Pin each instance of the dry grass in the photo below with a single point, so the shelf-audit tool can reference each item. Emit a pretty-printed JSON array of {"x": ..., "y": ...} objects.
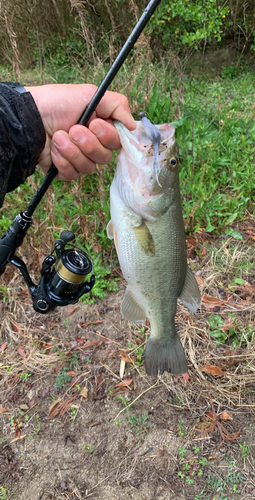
[{"x": 235, "y": 387}]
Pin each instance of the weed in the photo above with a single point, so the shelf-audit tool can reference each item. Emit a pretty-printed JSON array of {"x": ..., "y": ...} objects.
[
  {"x": 175, "y": 400},
  {"x": 141, "y": 424},
  {"x": 196, "y": 449},
  {"x": 182, "y": 452},
  {"x": 4, "y": 494},
  {"x": 200, "y": 495},
  {"x": 90, "y": 448},
  {"x": 73, "y": 412},
  {"x": 62, "y": 378},
  {"x": 189, "y": 480},
  {"x": 73, "y": 360},
  {"x": 203, "y": 461},
  {"x": 4, "y": 292},
  {"x": 37, "y": 429},
  {"x": 181, "y": 428},
  {"x": 24, "y": 376},
  {"x": 245, "y": 449}
]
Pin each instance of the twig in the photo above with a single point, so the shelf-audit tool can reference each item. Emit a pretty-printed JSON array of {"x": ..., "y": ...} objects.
[{"x": 138, "y": 397}]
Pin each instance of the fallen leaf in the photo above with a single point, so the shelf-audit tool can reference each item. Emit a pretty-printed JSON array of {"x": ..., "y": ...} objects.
[
  {"x": 17, "y": 433},
  {"x": 21, "y": 351},
  {"x": 71, "y": 373},
  {"x": 124, "y": 383},
  {"x": 71, "y": 311},
  {"x": 84, "y": 392},
  {"x": 199, "y": 280},
  {"x": 228, "y": 323},
  {"x": 17, "y": 326},
  {"x": 191, "y": 240},
  {"x": 213, "y": 370},
  {"x": 87, "y": 345},
  {"x": 56, "y": 368},
  {"x": 31, "y": 402},
  {"x": 84, "y": 325},
  {"x": 125, "y": 356},
  {"x": 45, "y": 391},
  {"x": 3, "y": 410},
  {"x": 53, "y": 406},
  {"x": 79, "y": 340},
  {"x": 212, "y": 301},
  {"x": 3, "y": 346},
  {"x": 225, "y": 415},
  {"x": 203, "y": 252},
  {"x": 186, "y": 377},
  {"x": 24, "y": 407}
]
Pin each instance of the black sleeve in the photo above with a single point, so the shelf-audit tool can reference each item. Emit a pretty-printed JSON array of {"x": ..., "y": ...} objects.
[{"x": 22, "y": 138}]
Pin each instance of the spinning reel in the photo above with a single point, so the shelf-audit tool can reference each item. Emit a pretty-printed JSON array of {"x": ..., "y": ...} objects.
[{"x": 64, "y": 272}]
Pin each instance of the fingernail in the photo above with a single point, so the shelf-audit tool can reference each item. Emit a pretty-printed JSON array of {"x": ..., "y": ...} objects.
[
  {"x": 78, "y": 136},
  {"x": 97, "y": 129},
  {"x": 60, "y": 141},
  {"x": 55, "y": 151}
]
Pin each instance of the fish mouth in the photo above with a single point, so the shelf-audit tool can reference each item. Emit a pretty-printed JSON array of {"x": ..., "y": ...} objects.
[{"x": 139, "y": 146}]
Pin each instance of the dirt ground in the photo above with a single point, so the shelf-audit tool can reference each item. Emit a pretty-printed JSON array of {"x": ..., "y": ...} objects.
[{"x": 68, "y": 428}]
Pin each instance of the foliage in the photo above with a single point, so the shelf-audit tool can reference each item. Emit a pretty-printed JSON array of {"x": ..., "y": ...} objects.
[
  {"x": 4, "y": 494},
  {"x": 103, "y": 284},
  {"x": 189, "y": 21},
  {"x": 62, "y": 378},
  {"x": 141, "y": 424}
]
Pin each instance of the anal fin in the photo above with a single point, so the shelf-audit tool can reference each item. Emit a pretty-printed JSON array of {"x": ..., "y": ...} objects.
[
  {"x": 130, "y": 309},
  {"x": 190, "y": 295}
]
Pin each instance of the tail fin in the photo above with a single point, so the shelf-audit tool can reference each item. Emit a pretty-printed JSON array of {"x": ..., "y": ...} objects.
[{"x": 163, "y": 356}]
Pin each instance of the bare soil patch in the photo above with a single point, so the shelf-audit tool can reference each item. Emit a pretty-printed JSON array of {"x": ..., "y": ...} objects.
[{"x": 81, "y": 419}]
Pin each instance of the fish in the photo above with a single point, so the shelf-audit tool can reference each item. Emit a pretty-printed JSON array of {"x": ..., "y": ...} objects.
[{"x": 149, "y": 235}]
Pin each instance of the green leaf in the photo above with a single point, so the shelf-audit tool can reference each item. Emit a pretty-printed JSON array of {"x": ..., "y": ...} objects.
[
  {"x": 235, "y": 234},
  {"x": 239, "y": 281}
]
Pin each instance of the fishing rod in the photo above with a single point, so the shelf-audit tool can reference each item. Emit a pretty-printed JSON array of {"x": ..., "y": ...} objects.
[{"x": 65, "y": 272}]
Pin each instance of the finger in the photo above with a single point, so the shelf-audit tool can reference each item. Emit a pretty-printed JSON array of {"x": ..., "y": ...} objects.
[
  {"x": 89, "y": 144},
  {"x": 83, "y": 151},
  {"x": 66, "y": 171},
  {"x": 114, "y": 105},
  {"x": 106, "y": 133}
]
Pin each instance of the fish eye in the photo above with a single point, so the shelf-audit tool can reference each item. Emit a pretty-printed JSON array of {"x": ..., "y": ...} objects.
[{"x": 173, "y": 162}]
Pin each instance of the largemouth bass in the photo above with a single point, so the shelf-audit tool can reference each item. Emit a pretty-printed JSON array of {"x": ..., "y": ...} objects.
[{"x": 149, "y": 235}]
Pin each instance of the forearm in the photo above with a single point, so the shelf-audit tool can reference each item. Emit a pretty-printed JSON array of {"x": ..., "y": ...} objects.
[{"x": 22, "y": 138}]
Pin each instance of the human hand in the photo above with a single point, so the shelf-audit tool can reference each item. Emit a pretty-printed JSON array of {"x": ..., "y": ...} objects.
[{"x": 72, "y": 148}]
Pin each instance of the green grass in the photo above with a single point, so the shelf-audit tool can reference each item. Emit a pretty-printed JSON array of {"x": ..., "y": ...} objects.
[{"x": 216, "y": 137}]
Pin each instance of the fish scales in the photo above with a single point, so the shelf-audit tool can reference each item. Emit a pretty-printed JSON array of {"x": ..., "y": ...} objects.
[{"x": 149, "y": 236}]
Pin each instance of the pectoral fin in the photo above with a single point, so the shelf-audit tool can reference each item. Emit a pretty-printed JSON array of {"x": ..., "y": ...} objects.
[
  {"x": 145, "y": 239},
  {"x": 130, "y": 309},
  {"x": 112, "y": 233},
  {"x": 110, "y": 230},
  {"x": 190, "y": 295}
]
